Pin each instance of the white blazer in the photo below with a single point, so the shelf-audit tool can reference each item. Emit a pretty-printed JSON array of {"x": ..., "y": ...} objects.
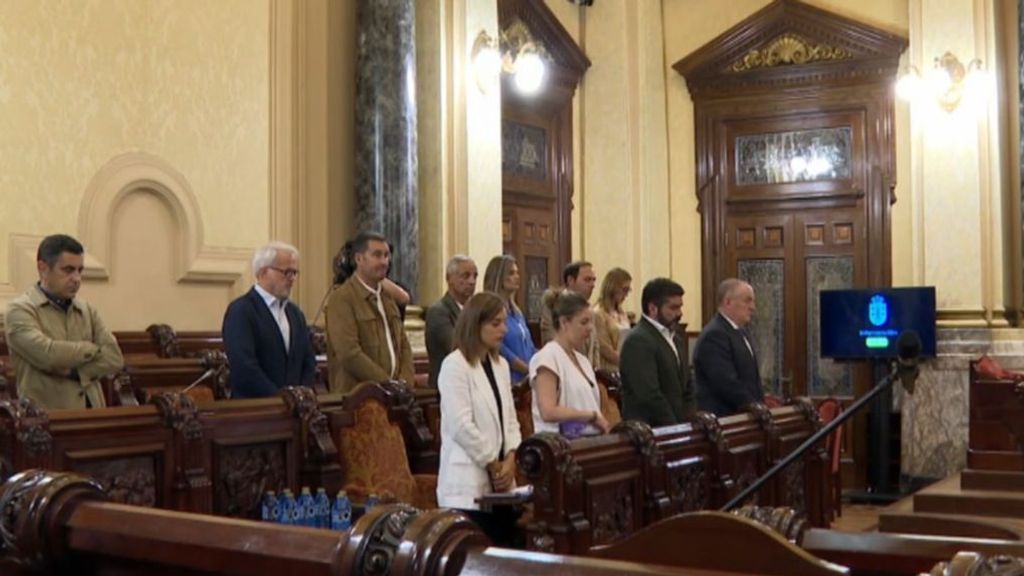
[{"x": 470, "y": 428}]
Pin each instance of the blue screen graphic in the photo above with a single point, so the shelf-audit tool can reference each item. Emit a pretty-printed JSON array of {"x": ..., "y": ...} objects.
[{"x": 866, "y": 323}]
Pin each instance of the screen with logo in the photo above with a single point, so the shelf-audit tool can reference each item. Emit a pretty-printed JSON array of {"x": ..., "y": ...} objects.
[{"x": 866, "y": 323}]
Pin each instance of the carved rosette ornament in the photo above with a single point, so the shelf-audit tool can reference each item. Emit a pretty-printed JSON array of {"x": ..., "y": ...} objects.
[
  {"x": 165, "y": 340},
  {"x": 382, "y": 538},
  {"x": 31, "y": 503},
  {"x": 786, "y": 50},
  {"x": 786, "y": 521},
  {"x": 28, "y": 424}
]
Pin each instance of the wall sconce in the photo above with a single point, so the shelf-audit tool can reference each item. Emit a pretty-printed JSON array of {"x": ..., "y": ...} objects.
[
  {"x": 947, "y": 83},
  {"x": 519, "y": 55}
]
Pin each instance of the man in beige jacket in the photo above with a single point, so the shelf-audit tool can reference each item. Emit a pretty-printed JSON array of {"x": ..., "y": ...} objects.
[
  {"x": 365, "y": 337},
  {"x": 59, "y": 347}
]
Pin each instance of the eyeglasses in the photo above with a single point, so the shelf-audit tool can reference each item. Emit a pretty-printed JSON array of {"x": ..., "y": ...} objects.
[{"x": 289, "y": 272}]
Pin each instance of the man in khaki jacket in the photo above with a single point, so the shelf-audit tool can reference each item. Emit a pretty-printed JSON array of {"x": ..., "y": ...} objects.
[
  {"x": 365, "y": 337},
  {"x": 58, "y": 345}
]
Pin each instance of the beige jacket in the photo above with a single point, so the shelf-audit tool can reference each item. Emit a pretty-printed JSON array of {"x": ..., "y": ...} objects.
[
  {"x": 357, "y": 348},
  {"x": 45, "y": 342}
]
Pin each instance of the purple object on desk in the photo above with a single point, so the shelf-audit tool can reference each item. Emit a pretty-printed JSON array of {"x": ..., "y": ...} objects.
[{"x": 575, "y": 429}]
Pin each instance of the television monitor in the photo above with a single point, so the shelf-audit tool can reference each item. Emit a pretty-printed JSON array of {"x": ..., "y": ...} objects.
[{"x": 866, "y": 323}]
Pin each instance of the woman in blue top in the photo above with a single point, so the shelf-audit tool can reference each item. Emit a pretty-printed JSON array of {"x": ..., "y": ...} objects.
[{"x": 502, "y": 278}]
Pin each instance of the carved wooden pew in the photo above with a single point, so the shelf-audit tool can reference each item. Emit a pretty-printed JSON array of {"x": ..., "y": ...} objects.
[
  {"x": 996, "y": 424},
  {"x": 593, "y": 491},
  {"x": 56, "y": 523},
  {"x": 220, "y": 457},
  {"x": 897, "y": 554},
  {"x": 61, "y": 523}
]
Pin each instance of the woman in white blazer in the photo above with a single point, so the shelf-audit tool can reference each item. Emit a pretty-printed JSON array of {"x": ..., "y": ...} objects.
[{"x": 479, "y": 430}]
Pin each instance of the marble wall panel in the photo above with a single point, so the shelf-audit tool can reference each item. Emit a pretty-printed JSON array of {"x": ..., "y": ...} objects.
[
  {"x": 768, "y": 278},
  {"x": 825, "y": 377}
]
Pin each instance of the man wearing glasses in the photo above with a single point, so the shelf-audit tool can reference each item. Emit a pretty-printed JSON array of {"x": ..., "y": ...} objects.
[{"x": 265, "y": 335}]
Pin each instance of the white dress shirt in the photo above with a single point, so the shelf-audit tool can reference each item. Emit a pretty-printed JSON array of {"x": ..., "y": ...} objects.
[
  {"x": 277, "y": 308},
  {"x": 387, "y": 326}
]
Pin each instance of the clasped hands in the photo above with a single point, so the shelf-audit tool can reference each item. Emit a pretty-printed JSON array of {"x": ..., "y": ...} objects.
[{"x": 503, "y": 473}]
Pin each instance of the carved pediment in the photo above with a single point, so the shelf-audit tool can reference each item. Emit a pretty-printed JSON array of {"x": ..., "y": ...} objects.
[
  {"x": 790, "y": 43},
  {"x": 788, "y": 49}
]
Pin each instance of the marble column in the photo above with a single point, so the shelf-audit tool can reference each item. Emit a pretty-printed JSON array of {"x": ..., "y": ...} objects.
[{"x": 385, "y": 118}]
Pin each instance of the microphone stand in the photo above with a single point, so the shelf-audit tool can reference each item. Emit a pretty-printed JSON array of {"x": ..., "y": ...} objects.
[{"x": 818, "y": 436}]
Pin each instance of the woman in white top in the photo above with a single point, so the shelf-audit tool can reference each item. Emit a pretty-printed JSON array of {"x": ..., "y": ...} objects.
[
  {"x": 564, "y": 386},
  {"x": 479, "y": 429}
]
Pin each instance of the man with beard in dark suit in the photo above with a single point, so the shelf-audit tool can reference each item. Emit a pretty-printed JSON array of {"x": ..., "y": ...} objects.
[
  {"x": 724, "y": 360},
  {"x": 461, "y": 274},
  {"x": 656, "y": 387}
]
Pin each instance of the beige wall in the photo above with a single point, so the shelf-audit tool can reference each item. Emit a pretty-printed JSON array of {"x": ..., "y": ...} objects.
[{"x": 179, "y": 86}]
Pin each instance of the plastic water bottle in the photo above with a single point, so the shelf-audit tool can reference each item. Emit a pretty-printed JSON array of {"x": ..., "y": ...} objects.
[
  {"x": 270, "y": 510},
  {"x": 307, "y": 508},
  {"x": 287, "y": 506},
  {"x": 323, "y": 509},
  {"x": 371, "y": 501},
  {"x": 341, "y": 512}
]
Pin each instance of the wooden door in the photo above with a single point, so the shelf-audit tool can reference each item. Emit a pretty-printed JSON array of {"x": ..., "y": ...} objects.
[
  {"x": 536, "y": 152},
  {"x": 529, "y": 234}
]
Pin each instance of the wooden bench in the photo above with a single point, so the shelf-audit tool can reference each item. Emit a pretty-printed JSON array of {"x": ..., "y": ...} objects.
[
  {"x": 594, "y": 491},
  {"x": 57, "y": 522}
]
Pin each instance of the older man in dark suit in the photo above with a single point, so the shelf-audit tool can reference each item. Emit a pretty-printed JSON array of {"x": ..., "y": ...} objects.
[
  {"x": 656, "y": 386},
  {"x": 724, "y": 360},
  {"x": 265, "y": 335},
  {"x": 461, "y": 274}
]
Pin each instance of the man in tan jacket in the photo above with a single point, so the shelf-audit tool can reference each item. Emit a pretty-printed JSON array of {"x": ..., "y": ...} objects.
[
  {"x": 365, "y": 337},
  {"x": 59, "y": 347}
]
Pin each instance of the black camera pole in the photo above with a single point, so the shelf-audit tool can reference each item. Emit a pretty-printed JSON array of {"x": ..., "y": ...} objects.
[{"x": 820, "y": 435}]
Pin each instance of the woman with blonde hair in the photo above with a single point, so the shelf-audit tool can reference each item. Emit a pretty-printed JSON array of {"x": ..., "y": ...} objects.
[
  {"x": 610, "y": 321},
  {"x": 566, "y": 396},
  {"x": 502, "y": 278},
  {"x": 479, "y": 429}
]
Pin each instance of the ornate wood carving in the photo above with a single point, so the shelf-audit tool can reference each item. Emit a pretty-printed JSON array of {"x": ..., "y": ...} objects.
[
  {"x": 764, "y": 419},
  {"x": 786, "y": 521},
  {"x": 34, "y": 503},
  {"x": 125, "y": 480},
  {"x": 245, "y": 472},
  {"x": 688, "y": 487},
  {"x": 165, "y": 340},
  {"x": 793, "y": 492},
  {"x": 192, "y": 488},
  {"x": 973, "y": 564},
  {"x": 26, "y": 430},
  {"x": 124, "y": 391},
  {"x": 612, "y": 511},
  {"x": 318, "y": 337},
  {"x": 217, "y": 360},
  {"x": 787, "y": 49},
  {"x": 179, "y": 413},
  {"x": 381, "y": 540},
  {"x": 656, "y": 501},
  {"x": 320, "y": 461}
]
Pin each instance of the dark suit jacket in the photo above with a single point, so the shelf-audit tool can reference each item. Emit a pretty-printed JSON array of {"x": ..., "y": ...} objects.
[
  {"x": 727, "y": 374},
  {"x": 656, "y": 386},
  {"x": 260, "y": 366},
  {"x": 441, "y": 318}
]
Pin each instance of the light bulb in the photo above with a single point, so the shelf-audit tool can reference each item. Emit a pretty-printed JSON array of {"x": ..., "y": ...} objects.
[{"x": 530, "y": 72}]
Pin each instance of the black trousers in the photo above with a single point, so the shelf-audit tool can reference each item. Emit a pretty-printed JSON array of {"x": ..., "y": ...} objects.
[{"x": 500, "y": 525}]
